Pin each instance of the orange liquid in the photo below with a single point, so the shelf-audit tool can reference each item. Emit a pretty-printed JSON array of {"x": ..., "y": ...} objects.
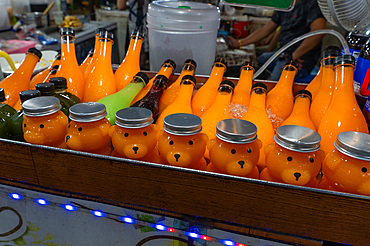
[
  {"x": 300, "y": 115},
  {"x": 321, "y": 101},
  {"x": 101, "y": 81},
  {"x": 314, "y": 85},
  {"x": 205, "y": 96},
  {"x": 91, "y": 65},
  {"x": 41, "y": 76},
  {"x": 130, "y": 66},
  {"x": 257, "y": 115},
  {"x": 69, "y": 68},
  {"x": 182, "y": 103},
  {"x": 165, "y": 70},
  {"x": 343, "y": 113},
  {"x": 86, "y": 63},
  {"x": 19, "y": 80}
]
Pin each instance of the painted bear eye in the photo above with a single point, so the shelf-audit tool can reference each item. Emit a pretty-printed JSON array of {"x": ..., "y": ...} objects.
[
  {"x": 69, "y": 126},
  {"x": 171, "y": 142},
  {"x": 191, "y": 142},
  {"x": 145, "y": 133},
  {"x": 79, "y": 129},
  {"x": 25, "y": 125},
  {"x": 233, "y": 151},
  {"x": 289, "y": 158},
  {"x": 42, "y": 126},
  {"x": 126, "y": 134},
  {"x": 249, "y": 151},
  {"x": 364, "y": 169},
  {"x": 312, "y": 160}
]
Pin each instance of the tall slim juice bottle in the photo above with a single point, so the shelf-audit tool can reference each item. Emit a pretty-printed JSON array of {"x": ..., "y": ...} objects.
[
  {"x": 300, "y": 115},
  {"x": 343, "y": 113},
  {"x": 87, "y": 61},
  {"x": 69, "y": 68},
  {"x": 172, "y": 91},
  {"x": 51, "y": 73},
  {"x": 101, "y": 82},
  {"x": 242, "y": 93},
  {"x": 257, "y": 115},
  {"x": 39, "y": 77},
  {"x": 219, "y": 110},
  {"x": 20, "y": 79},
  {"x": 123, "y": 98},
  {"x": 323, "y": 96},
  {"x": 130, "y": 66},
  {"x": 91, "y": 65},
  {"x": 167, "y": 69},
  {"x": 280, "y": 100},
  {"x": 182, "y": 103},
  {"x": 205, "y": 95}
]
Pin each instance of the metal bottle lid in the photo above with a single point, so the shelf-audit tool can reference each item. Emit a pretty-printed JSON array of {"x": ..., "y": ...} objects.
[
  {"x": 134, "y": 117},
  {"x": 236, "y": 131},
  {"x": 344, "y": 59},
  {"x": 67, "y": 31},
  {"x": 87, "y": 112},
  {"x": 41, "y": 106},
  {"x": 191, "y": 61},
  {"x": 171, "y": 62},
  {"x": 297, "y": 138},
  {"x": 182, "y": 124},
  {"x": 330, "y": 51},
  {"x": 35, "y": 52},
  {"x": 106, "y": 35},
  {"x": 354, "y": 144}
]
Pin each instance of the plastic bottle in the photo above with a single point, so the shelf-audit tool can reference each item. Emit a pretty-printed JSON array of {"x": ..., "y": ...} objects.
[
  {"x": 48, "y": 89},
  {"x": 43, "y": 122},
  {"x": 6, "y": 112},
  {"x": 300, "y": 115},
  {"x": 257, "y": 115},
  {"x": 101, "y": 82},
  {"x": 151, "y": 99},
  {"x": 53, "y": 71},
  {"x": 172, "y": 91},
  {"x": 343, "y": 113},
  {"x": 123, "y": 98},
  {"x": 87, "y": 61},
  {"x": 167, "y": 69},
  {"x": 69, "y": 68},
  {"x": 40, "y": 77},
  {"x": 358, "y": 37},
  {"x": 130, "y": 66},
  {"x": 242, "y": 93},
  {"x": 66, "y": 98},
  {"x": 16, "y": 121},
  {"x": 219, "y": 110},
  {"x": 362, "y": 72},
  {"x": 88, "y": 129},
  {"x": 205, "y": 95},
  {"x": 134, "y": 135},
  {"x": 280, "y": 100},
  {"x": 20, "y": 79},
  {"x": 5, "y": 109},
  {"x": 182, "y": 103},
  {"x": 91, "y": 65},
  {"x": 325, "y": 92}
]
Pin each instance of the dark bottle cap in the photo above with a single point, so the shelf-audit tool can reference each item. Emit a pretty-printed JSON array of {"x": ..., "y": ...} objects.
[
  {"x": 53, "y": 71},
  {"x": 67, "y": 31},
  {"x": 191, "y": 61},
  {"x": 189, "y": 77},
  {"x": 344, "y": 59},
  {"x": 91, "y": 53},
  {"x": 143, "y": 76},
  {"x": 35, "y": 52},
  {"x": 100, "y": 30},
  {"x": 330, "y": 51},
  {"x": 172, "y": 63},
  {"x": 55, "y": 67},
  {"x": 161, "y": 81},
  {"x": 291, "y": 63},
  {"x": 227, "y": 82},
  {"x": 47, "y": 89},
  {"x": 28, "y": 94},
  {"x": 58, "y": 56},
  {"x": 248, "y": 65},
  {"x": 221, "y": 60},
  {"x": 259, "y": 85},
  {"x": 106, "y": 34},
  {"x": 2, "y": 95},
  {"x": 137, "y": 34},
  {"x": 59, "y": 83},
  {"x": 304, "y": 92}
]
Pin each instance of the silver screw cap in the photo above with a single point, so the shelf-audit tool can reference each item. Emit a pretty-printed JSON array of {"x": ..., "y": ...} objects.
[
  {"x": 354, "y": 144},
  {"x": 87, "y": 112},
  {"x": 134, "y": 117},
  {"x": 182, "y": 124},
  {"x": 236, "y": 131},
  {"x": 41, "y": 106}
]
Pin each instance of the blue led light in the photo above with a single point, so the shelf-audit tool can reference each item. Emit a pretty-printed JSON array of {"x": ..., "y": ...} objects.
[
  {"x": 69, "y": 207},
  {"x": 128, "y": 220},
  {"x": 98, "y": 213},
  {"x": 228, "y": 242},
  {"x": 192, "y": 234},
  {"x": 15, "y": 196},
  {"x": 41, "y": 201},
  {"x": 160, "y": 227}
]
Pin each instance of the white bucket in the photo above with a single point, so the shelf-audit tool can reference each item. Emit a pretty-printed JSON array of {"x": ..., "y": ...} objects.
[{"x": 181, "y": 30}]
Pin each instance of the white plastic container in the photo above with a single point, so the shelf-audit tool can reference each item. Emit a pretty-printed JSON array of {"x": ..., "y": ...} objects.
[{"x": 182, "y": 30}]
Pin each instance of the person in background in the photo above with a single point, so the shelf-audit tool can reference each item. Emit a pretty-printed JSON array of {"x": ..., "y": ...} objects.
[{"x": 305, "y": 17}]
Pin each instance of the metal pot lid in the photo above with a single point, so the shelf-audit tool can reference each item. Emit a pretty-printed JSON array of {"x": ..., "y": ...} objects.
[
  {"x": 236, "y": 131},
  {"x": 41, "y": 106},
  {"x": 354, "y": 144},
  {"x": 134, "y": 117},
  {"x": 297, "y": 138},
  {"x": 182, "y": 124},
  {"x": 87, "y": 112}
]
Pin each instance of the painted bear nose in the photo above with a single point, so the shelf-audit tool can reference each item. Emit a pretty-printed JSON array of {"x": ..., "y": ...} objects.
[
  {"x": 135, "y": 149},
  {"x": 177, "y": 156},
  {"x": 297, "y": 175},
  {"x": 241, "y": 163}
]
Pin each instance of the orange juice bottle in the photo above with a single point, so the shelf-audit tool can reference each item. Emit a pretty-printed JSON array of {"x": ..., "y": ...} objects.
[
  {"x": 242, "y": 93},
  {"x": 205, "y": 95},
  {"x": 182, "y": 103},
  {"x": 91, "y": 65},
  {"x": 101, "y": 82},
  {"x": 130, "y": 66},
  {"x": 280, "y": 100},
  {"x": 52, "y": 72},
  {"x": 257, "y": 115},
  {"x": 69, "y": 68},
  {"x": 40, "y": 77},
  {"x": 219, "y": 110},
  {"x": 87, "y": 61},
  {"x": 323, "y": 96},
  {"x": 172, "y": 91},
  {"x": 166, "y": 70},
  {"x": 300, "y": 115},
  {"x": 343, "y": 113},
  {"x": 20, "y": 79}
]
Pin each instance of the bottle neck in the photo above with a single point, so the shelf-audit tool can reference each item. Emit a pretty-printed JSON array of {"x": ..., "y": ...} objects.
[
  {"x": 258, "y": 99},
  {"x": 301, "y": 105},
  {"x": 68, "y": 52},
  {"x": 134, "y": 49},
  {"x": 28, "y": 65},
  {"x": 327, "y": 81},
  {"x": 287, "y": 77},
  {"x": 343, "y": 90},
  {"x": 166, "y": 70},
  {"x": 96, "y": 46},
  {"x": 223, "y": 97},
  {"x": 105, "y": 51},
  {"x": 245, "y": 79},
  {"x": 185, "y": 93},
  {"x": 60, "y": 91},
  {"x": 188, "y": 68}
]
